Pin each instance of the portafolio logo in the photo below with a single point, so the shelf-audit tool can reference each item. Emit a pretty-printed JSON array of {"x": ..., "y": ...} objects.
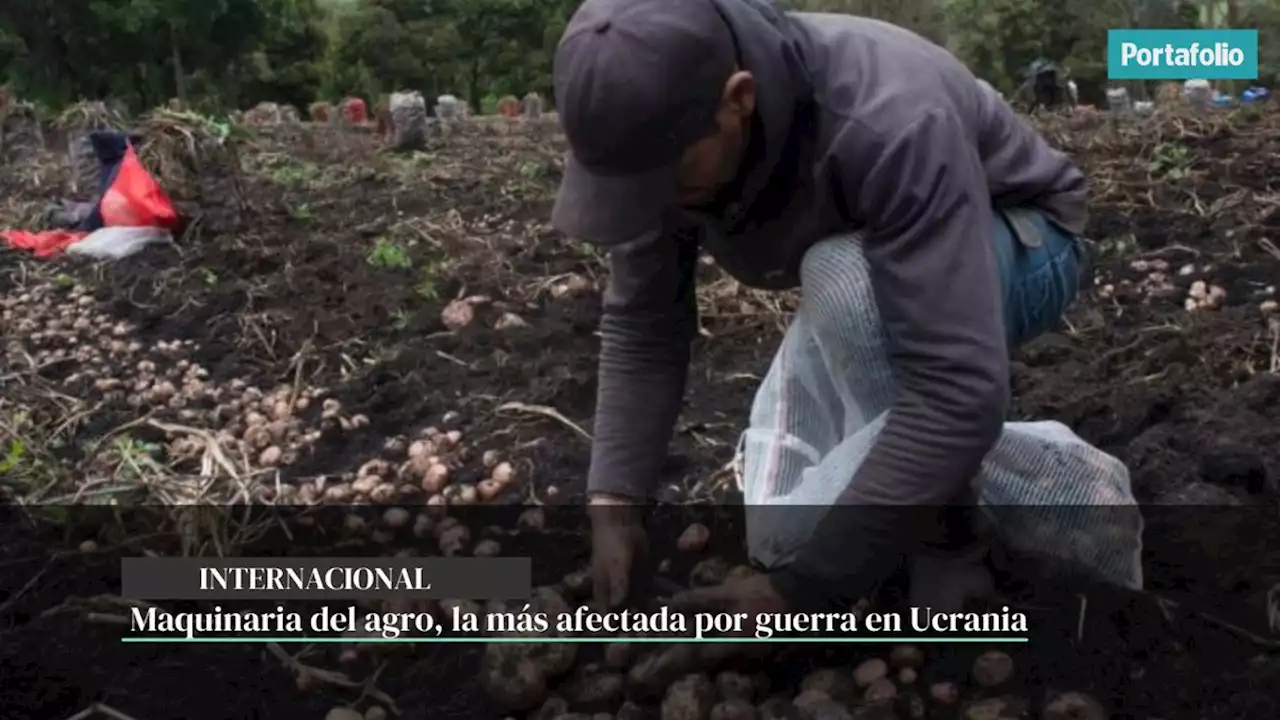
[{"x": 1182, "y": 54}]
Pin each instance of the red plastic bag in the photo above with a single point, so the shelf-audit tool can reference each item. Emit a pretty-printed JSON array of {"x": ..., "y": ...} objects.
[
  {"x": 135, "y": 199},
  {"x": 355, "y": 110},
  {"x": 42, "y": 244}
]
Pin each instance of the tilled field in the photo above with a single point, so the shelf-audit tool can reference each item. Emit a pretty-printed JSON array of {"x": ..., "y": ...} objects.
[{"x": 341, "y": 326}]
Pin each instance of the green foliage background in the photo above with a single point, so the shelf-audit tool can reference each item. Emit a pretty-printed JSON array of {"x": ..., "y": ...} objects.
[{"x": 222, "y": 54}]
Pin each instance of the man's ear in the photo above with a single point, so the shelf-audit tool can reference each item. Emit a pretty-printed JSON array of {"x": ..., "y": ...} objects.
[{"x": 740, "y": 93}]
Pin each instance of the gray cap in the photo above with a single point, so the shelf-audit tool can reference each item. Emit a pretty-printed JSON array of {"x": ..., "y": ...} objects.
[{"x": 637, "y": 82}]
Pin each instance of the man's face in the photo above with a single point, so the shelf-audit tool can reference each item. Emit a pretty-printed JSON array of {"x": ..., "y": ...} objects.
[{"x": 713, "y": 162}]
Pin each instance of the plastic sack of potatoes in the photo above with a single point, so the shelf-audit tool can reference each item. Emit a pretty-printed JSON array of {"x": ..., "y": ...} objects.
[
  {"x": 408, "y": 120},
  {"x": 825, "y": 400}
]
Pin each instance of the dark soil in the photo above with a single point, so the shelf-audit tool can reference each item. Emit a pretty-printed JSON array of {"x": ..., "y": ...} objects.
[{"x": 1188, "y": 400}]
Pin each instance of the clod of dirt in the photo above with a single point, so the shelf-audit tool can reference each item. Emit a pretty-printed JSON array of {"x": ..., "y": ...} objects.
[
  {"x": 694, "y": 539},
  {"x": 881, "y": 691},
  {"x": 946, "y": 693},
  {"x": 711, "y": 571},
  {"x": 1074, "y": 706},
  {"x": 869, "y": 672},
  {"x": 594, "y": 692},
  {"x": 907, "y": 656},
  {"x": 648, "y": 677},
  {"x": 516, "y": 683},
  {"x": 735, "y": 686},
  {"x": 814, "y": 705},
  {"x": 741, "y": 572},
  {"x": 689, "y": 698},
  {"x": 343, "y": 713},
  {"x": 617, "y": 656},
  {"x": 458, "y": 314},
  {"x": 911, "y": 707},
  {"x": 832, "y": 683},
  {"x": 992, "y": 668},
  {"x": 735, "y": 709}
]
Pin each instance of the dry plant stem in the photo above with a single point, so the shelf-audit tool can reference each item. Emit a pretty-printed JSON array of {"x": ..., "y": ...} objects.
[
  {"x": 101, "y": 709},
  {"x": 367, "y": 687},
  {"x": 545, "y": 411}
]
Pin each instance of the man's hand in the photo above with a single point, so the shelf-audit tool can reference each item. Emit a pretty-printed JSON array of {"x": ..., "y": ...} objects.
[
  {"x": 753, "y": 595},
  {"x": 618, "y": 546}
]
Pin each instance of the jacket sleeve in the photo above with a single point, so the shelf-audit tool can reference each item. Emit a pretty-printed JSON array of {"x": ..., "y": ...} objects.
[
  {"x": 648, "y": 324},
  {"x": 930, "y": 246}
]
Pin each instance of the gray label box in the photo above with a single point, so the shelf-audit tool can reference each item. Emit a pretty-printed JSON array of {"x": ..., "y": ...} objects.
[{"x": 325, "y": 578}]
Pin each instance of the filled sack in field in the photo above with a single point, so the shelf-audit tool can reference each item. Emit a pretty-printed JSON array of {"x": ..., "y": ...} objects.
[
  {"x": 409, "y": 126},
  {"x": 825, "y": 401}
]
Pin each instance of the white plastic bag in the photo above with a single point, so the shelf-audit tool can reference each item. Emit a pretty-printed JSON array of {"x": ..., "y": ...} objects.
[
  {"x": 116, "y": 243},
  {"x": 825, "y": 401}
]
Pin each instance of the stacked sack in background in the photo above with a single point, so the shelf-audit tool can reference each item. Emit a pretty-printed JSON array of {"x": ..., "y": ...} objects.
[{"x": 410, "y": 126}]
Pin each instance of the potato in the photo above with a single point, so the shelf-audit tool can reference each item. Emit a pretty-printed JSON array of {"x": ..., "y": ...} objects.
[
  {"x": 555, "y": 659},
  {"x": 594, "y": 692},
  {"x": 617, "y": 656},
  {"x": 881, "y": 691},
  {"x": 650, "y": 676},
  {"x": 551, "y": 709},
  {"x": 343, "y": 713},
  {"x": 946, "y": 693},
  {"x": 907, "y": 675},
  {"x": 377, "y": 712},
  {"x": 711, "y": 571},
  {"x": 532, "y": 519},
  {"x": 1074, "y": 706},
  {"x": 907, "y": 656},
  {"x": 736, "y": 709},
  {"x": 694, "y": 539},
  {"x": 689, "y": 698},
  {"x": 396, "y": 518},
  {"x": 488, "y": 489},
  {"x": 577, "y": 585},
  {"x": 454, "y": 540},
  {"x": 777, "y": 709},
  {"x": 631, "y": 711},
  {"x": 992, "y": 668},
  {"x": 548, "y": 600},
  {"x": 869, "y": 672},
  {"x": 817, "y": 706},
  {"x": 734, "y": 686},
  {"x": 993, "y": 709},
  {"x": 503, "y": 473},
  {"x": 270, "y": 457},
  {"x": 515, "y": 683},
  {"x": 487, "y": 548},
  {"x": 832, "y": 683},
  {"x": 436, "y": 478},
  {"x": 365, "y": 484}
]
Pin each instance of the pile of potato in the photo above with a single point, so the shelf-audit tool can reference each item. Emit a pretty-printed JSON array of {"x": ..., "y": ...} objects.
[{"x": 687, "y": 681}]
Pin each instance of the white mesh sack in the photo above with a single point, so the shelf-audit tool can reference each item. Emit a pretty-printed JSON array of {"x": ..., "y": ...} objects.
[
  {"x": 409, "y": 120},
  {"x": 825, "y": 400}
]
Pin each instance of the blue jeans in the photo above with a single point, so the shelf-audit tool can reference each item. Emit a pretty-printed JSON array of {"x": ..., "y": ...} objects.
[{"x": 1040, "y": 270}]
